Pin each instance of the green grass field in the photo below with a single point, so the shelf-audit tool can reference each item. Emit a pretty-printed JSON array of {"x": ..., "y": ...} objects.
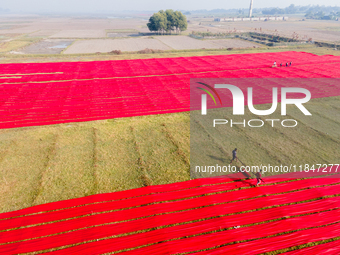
[
  {"x": 52, "y": 163},
  {"x": 314, "y": 141}
]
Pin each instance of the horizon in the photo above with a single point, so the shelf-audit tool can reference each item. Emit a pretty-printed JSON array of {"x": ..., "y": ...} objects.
[{"x": 105, "y": 6}]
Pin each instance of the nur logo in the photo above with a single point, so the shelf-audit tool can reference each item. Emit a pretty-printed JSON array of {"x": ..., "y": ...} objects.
[
  {"x": 204, "y": 97},
  {"x": 238, "y": 99}
]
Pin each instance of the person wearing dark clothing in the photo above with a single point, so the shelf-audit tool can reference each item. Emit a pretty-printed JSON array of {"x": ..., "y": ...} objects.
[
  {"x": 234, "y": 156},
  {"x": 258, "y": 176},
  {"x": 281, "y": 65},
  {"x": 290, "y": 64},
  {"x": 287, "y": 64}
]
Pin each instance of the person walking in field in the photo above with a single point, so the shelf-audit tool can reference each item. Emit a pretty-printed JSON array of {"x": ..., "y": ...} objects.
[
  {"x": 234, "y": 156},
  {"x": 258, "y": 176},
  {"x": 247, "y": 175},
  {"x": 274, "y": 65}
]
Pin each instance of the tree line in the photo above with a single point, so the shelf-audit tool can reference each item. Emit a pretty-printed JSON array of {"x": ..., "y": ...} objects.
[
  {"x": 288, "y": 10},
  {"x": 167, "y": 21},
  {"x": 311, "y": 11},
  {"x": 322, "y": 15}
]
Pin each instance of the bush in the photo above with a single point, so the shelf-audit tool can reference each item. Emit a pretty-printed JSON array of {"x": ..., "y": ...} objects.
[
  {"x": 117, "y": 52},
  {"x": 149, "y": 51}
]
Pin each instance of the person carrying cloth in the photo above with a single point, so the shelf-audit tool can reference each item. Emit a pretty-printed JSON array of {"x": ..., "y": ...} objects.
[
  {"x": 258, "y": 176},
  {"x": 234, "y": 156},
  {"x": 247, "y": 175}
]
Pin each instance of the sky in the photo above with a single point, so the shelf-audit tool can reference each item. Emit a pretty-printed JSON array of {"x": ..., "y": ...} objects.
[{"x": 146, "y": 5}]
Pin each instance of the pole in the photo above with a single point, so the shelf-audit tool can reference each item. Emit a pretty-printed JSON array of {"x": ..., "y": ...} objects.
[{"x": 251, "y": 8}]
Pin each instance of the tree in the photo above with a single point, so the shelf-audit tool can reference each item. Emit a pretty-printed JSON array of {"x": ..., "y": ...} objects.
[
  {"x": 171, "y": 20},
  {"x": 320, "y": 14},
  {"x": 158, "y": 22},
  {"x": 309, "y": 14},
  {"x": 183, "y": 23},
  {"x": 291, "y": 9},
  {"x": 180, "y": 22},
  {"x": 167, "y": 21}
]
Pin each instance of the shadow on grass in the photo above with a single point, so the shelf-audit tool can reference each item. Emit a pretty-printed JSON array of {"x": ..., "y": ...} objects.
[{"x": 223, "y": 160}]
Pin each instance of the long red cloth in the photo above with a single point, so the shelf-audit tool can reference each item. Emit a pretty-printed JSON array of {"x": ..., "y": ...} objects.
[
  {"x": 159, "y": 220},
  {"x": 48, "y": 93}
]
